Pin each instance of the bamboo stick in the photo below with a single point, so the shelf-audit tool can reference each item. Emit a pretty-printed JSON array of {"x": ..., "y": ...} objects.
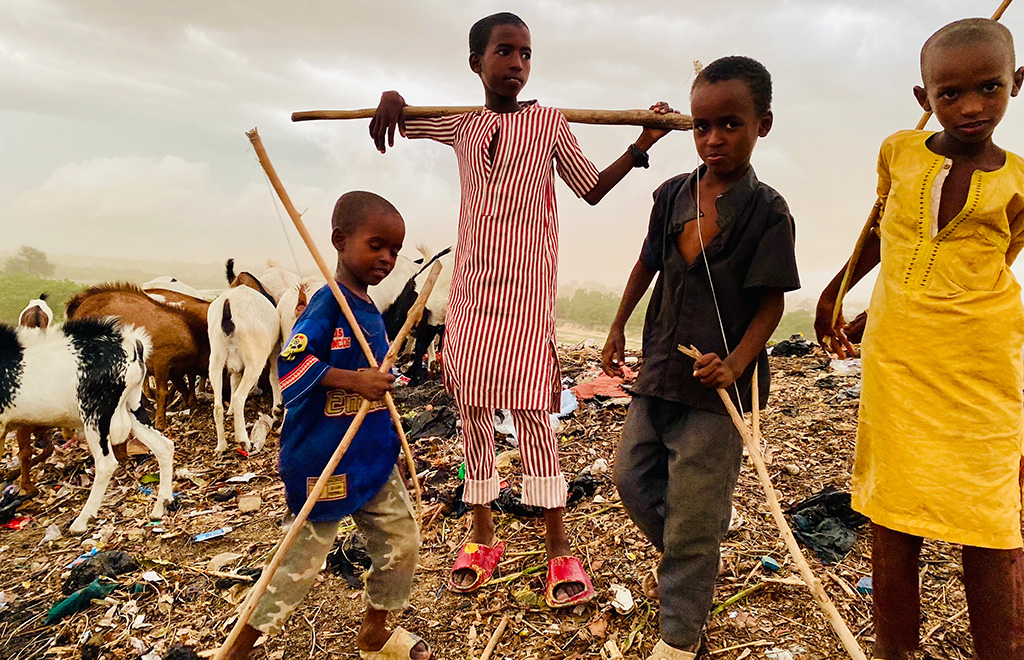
[
  {"x": 875, "y": 216},
  {"x": 493, "y": 641},
  {"x": 261, "y": 154},
  {"x": 252, "y": 599},
  {"x": 813, "y": 584},
  {"x": 672, "y": 121}
]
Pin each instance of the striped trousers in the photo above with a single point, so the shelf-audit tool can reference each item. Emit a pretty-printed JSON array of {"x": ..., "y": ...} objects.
[{"x": 543, "y": 482}]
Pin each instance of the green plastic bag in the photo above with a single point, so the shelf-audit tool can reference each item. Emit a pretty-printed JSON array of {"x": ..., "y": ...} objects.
[{"x": 79, "y": 600}]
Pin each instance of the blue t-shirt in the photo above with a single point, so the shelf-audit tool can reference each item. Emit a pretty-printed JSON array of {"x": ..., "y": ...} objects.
[{"x": 318, "y": 417}]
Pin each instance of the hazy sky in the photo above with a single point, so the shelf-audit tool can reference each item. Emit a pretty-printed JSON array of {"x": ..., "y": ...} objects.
[{"x": 122, "y": 123}]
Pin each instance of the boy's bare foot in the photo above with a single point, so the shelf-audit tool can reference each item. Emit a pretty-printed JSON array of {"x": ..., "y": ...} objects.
[
  {"x": 482, "y": 532},
  {"x": 557, "y": 545},
  {"x": 373, "y": 635}
]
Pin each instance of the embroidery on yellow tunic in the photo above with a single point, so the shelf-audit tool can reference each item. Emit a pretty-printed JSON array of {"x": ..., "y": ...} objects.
[{"x": 940, "y": 427}]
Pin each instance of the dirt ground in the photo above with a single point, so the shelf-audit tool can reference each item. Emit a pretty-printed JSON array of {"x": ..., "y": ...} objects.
[{"x": 809, "y": 426}]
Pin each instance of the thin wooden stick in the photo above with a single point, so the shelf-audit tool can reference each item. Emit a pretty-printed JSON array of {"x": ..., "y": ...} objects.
[
  {"x": 876, "y": 212},
  {"x": 813, "y": 584},
  {"x": 493, "y": 641},
  {"x": 252, "y": 599},
  {"x": 672, "y": 121},
  {"x": 755, "y": 411},
  {"x": 261, "y": 154}
]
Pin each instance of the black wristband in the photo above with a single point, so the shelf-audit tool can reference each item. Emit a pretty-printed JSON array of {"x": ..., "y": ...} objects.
[{"x": 640, "y": 157}]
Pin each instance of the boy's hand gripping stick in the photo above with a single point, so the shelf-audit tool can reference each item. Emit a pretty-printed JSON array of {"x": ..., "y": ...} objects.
[
  {"x": 874, "y": 217},
  {"x": 389, "y": 360},
  {"x": 647, "y": 118},
  {"x": 813, "y": 584},
  {"x": 414, "y": 313}
]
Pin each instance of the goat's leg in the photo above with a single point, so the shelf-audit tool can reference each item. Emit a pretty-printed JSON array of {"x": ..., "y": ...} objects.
[
  {"x": 105, "y": 466},
  {"x": 424, "y": 340},
  {"x": 160, "y": 373},
  {"x": 25, "y": 459},
  {"x": 250, "y": 375},
  {"x": 275, "y": 384},
  {"x": 163, "y": 449},
  {"x": 217, "y": 383}
]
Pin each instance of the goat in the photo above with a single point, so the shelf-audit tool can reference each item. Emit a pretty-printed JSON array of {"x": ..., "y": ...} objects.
[
  {"x": 168, "y": 283},
  {"x": 395, "y": 295},
  {"x": 245, "y": 335},
  {"x": 37, "y": 314},
  {"x": 277, "y": 280},
  {"x": 87, "y": 375},
  {"x": 293, "y": 302},
  {"x": 175, "y": 352},
  {"x": 195, "y": 312}
]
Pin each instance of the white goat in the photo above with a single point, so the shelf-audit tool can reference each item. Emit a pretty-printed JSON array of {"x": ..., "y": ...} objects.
[
  {"x": 245, "y": 333},
  {"x": 37, "y": 314},
  {"x": 87, "y": 375},
  {"x": 172, "y": 284},
  {"x": 395, "y": 295},
  {"x": 293, "y": 302},
  {"x": 277, "y": 280}
]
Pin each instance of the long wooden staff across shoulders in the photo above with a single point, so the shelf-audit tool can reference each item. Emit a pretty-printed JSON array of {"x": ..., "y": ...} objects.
[
  {"x": 875, "y": 217},
  {"x": 648, "y": 118}
]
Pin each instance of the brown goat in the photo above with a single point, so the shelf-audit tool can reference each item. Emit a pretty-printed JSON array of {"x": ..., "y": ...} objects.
[
  {"x": 195, "y": 310},
  {"x": 175, "y": 352}
]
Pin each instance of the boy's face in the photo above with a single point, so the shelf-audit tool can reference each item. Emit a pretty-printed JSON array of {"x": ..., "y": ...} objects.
[
  {"x": 726, "y": 126},
  {"x": 968, "y": 88},
  {"x": 369, "y": 252},
  {"x": 504, "y": 67}
]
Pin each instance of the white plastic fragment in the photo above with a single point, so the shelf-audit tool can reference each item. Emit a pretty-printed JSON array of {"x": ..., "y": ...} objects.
[{"x": 622, "y": 599}]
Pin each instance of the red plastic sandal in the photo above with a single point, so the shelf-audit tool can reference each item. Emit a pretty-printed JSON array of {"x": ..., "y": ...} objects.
[
  {"x": 479, "y": 558},
  {"x": 564, "y": 570}
]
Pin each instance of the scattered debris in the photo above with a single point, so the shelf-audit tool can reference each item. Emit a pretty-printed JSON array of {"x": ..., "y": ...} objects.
[
  {"x": 795, "y": 346},
  {"x": 621, "y": 598}
]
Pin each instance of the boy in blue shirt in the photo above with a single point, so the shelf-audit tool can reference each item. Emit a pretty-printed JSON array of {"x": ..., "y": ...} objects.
[{"x": 324, "y": 379}]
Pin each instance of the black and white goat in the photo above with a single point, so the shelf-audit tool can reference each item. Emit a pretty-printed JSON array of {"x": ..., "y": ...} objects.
[
  {"x": 37, "y": 315},
  {"x": 88, "y": 375},
  {"x": 245, "y": 336},
  {"x": 395, "y": 296}
]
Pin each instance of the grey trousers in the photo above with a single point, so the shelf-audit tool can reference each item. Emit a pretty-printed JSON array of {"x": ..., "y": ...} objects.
[{"x": 675, "y": 469}]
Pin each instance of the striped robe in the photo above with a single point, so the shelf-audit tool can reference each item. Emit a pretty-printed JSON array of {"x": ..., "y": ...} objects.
[{"x": 499, "y": 342}]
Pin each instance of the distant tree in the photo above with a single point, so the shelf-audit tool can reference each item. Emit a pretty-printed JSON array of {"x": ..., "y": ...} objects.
[{"x": 29, "y": 261}]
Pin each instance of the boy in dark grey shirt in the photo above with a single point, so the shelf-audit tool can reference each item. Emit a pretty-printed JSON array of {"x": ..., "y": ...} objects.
[{"x": 723, "y": 243}]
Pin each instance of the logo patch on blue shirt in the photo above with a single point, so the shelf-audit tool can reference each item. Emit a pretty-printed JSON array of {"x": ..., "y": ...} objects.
[
  {"x": 336, "y": 488},
  {"x": 295, "y": 347}
]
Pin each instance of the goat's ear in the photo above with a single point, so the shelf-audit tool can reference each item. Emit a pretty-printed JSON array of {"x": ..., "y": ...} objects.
[{"x": 302, "y": 297}]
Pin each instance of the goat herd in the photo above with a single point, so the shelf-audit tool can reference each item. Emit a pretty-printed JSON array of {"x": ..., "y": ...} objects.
[{"x": 122, "y": 342}]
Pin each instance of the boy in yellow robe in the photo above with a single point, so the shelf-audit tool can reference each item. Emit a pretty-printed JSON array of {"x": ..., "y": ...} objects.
[{"x": 940, "y": 424}]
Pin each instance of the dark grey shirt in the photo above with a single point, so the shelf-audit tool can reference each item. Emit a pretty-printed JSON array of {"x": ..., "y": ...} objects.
[{"x": 753, "y": 251}]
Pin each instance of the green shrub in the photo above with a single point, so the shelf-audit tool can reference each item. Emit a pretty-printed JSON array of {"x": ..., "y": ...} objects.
[{"x": 16, "y": 289}]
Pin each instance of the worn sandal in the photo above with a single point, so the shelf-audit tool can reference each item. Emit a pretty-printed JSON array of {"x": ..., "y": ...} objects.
[
  {"x": 479, "y": 558},
  {"x": 663, "y": 651},
  {"x": 566, "y": 570},
  {"x": 398, "y": 647}
]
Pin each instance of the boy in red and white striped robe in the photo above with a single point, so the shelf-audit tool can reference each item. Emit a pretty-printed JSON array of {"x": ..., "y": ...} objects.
[{"x": 499, "y": 347}]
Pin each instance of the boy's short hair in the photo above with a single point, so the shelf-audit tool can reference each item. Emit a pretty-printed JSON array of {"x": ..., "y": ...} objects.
[
  {"x": 353, "y": 209},
  {"x": 480, "y": 33},
  {"x": 737, "y": 67},
  {"x": 968, "y": 32}
]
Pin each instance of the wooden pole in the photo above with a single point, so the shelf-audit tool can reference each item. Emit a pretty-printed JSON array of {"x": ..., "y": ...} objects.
[
  {"x": 275, "y": 181},
  {"x": 672, "y": 121},
  {"x": 876, "y": 211},
  {"x": 813, "y": 584},
  {"x": 493, "y": 641},
  {"x": 252, "y": 599}
]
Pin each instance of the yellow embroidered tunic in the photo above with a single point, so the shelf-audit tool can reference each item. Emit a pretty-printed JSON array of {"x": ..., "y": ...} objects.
[{"x": 940, "y": 428}]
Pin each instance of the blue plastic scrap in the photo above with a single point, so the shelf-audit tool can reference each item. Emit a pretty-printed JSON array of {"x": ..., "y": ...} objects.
[{"x": 864, "y": 585}]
